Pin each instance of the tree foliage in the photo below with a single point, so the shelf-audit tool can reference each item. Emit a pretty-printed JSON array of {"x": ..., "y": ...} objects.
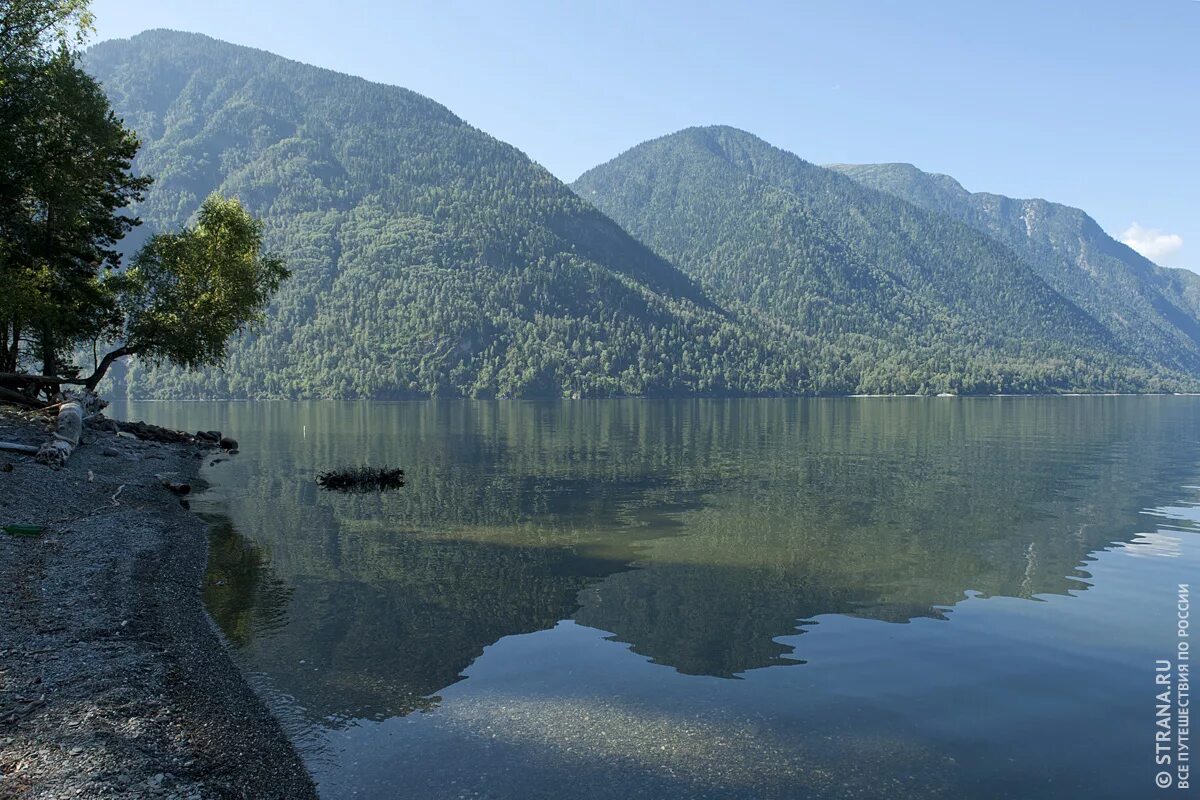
[
  {"x": 187, "y": 293},
  {"x": 66, "y": 187},
  {"x": 31, "y": 30}
]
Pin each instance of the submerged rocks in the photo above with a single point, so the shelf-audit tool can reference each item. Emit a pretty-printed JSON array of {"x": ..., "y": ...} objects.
[{"x": 361, "y": 479}]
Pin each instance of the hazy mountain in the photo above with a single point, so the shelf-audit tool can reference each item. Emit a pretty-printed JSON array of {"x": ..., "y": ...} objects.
[
  {"x": 898, "y": 297},
  {"x": 1150, "y": 310},
  {"x": 428, "y": 257}
]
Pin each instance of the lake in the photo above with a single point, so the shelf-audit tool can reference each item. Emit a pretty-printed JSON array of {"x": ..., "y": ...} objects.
[{"x": 825, "y": 598}]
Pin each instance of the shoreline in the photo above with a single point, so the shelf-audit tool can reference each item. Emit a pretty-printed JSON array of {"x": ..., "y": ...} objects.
[
  {"x": 114, "y": 680},
  {"x": 125, "y": 400}
]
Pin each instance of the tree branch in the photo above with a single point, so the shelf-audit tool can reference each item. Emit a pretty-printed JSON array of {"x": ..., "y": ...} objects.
[{"x": 105, "y": 363}]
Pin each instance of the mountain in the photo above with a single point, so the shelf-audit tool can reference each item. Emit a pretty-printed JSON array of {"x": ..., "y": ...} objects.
[
  {"x": 884, "y": 295},
  {"x": 428, "y": 258},
  {"x": 1150, "y": 310}
]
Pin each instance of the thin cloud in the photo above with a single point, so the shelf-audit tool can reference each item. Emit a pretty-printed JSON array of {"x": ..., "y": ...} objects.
[{"x": 1151, "y": 242}]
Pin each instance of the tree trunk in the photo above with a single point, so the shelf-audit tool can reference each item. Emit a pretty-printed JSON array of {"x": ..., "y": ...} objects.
[
  {"x": 8, "y": 352},
  {"x": 15, "y": 352},
  {"x": 49, "y": 352}
]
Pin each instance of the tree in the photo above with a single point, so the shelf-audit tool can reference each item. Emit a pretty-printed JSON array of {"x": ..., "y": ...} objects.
[
  {"x": 65, "y": 178},
  {"x": 186, "y": 294},
  {"x": 75, "y": 181}
]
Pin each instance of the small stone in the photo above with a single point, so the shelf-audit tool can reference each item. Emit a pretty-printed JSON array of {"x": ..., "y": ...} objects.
[
  {"x": 228, "y": 444},
  {"x": 110, "y": 452}
]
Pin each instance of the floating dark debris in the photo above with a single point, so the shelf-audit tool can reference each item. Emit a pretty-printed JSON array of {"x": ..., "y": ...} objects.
[{"x": 361, "y": 479}]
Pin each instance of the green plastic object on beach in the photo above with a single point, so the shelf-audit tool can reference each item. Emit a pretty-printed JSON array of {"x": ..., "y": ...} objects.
[{"x": 23, "y": 530}]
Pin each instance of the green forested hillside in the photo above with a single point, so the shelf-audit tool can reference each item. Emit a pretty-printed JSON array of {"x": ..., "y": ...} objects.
[
  {"x": 428, "y": 258},
  {"x": 899, "y": 299},
  {"x": 1150, "y": 310}
]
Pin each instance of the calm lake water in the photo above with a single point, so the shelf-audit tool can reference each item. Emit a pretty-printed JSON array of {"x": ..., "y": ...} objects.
[{"x": 868, "y": 598}]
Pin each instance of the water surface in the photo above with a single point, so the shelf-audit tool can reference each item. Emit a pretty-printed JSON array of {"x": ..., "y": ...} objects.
[{"x": 926, "y": 598}]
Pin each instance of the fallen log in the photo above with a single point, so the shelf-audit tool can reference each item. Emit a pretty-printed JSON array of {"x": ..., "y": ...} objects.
[
  {"x": 18, "y": 448},
  {"x": 16, "y": 398},
  {"x": 23, "y": 378},
  {"x": 68, "y": 428}
]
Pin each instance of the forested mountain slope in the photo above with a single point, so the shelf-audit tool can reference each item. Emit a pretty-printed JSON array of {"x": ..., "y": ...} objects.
[
  {"x": 897, "y": 298},
  {"x": 432, "y": 259},
  {"x": 1150, "y": 310},
  {"x": 427, "y": 257}
]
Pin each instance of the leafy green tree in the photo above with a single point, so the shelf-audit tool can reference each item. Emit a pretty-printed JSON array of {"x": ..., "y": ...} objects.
[{"x": 186, "y": 294}]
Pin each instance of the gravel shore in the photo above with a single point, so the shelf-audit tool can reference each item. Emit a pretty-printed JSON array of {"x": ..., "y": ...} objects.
[{"x": 114, "y": 683}]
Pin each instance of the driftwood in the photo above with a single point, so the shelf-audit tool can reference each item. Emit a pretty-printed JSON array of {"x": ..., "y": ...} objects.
[
  {"x": 67, "y": 431},
  {"x": 68, "y": 428},
  {"x": 361, "y": 479}
]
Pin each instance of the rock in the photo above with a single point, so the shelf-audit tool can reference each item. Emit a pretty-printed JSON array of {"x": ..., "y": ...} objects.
[
  {"x": 178, "y": 488},
  {"x": 233, "y": 452},
  {"x": 127, "y": 435},
  {"x": 110, "y": 452},
  {"x": 228, "y": 444},
  {"x": 6, "y": 468}
]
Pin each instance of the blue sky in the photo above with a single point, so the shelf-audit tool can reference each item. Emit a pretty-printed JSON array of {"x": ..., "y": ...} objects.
[{"x": 1095, "y": 104}]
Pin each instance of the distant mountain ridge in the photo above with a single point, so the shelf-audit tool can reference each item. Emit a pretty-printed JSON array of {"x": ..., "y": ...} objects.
[
  {"x": 903, "y": 297},
  {"x": 1150, "y": 309}
]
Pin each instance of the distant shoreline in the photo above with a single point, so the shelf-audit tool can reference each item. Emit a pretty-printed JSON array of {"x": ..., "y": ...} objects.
[{"x": 650, "y": 397}]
